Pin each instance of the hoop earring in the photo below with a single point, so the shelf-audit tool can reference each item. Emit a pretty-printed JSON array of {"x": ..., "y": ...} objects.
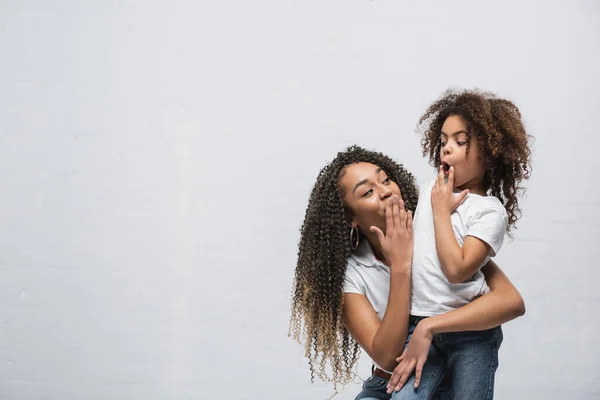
[{"x": 354, "y": 241}]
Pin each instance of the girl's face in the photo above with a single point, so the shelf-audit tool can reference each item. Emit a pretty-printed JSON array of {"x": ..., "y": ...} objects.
[
  {"x": 468, "y": 171},
  {"x": 366, "y": 191}
]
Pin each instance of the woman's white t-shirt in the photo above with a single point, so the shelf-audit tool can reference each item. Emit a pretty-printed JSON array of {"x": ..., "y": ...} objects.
[{"x": 366, "y": 275}]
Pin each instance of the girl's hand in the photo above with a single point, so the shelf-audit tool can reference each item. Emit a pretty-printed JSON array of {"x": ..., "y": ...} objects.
[
  {"x": 442, "y": 194},
  {"x": 413, "y": 358},
  {"x": 397, "y": 243}
]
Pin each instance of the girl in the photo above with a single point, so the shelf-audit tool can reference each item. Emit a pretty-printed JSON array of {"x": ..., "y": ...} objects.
[{"x": 479, "y": 144}]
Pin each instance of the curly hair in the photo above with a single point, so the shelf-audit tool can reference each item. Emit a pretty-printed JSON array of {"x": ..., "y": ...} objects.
[
  {"x": 323, "y": 251},
  {"x": 503, "y": 142}
]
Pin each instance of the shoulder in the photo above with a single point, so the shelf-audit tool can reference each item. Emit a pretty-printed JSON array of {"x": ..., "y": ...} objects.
[
  {"x": 488, "y": 221},
  {"x": 490, "y": 205},
  {"x": 352, "y": 266},
  {"x": 355, "y": 266},
  {"x": 475, "y": 205},
  {"x": 353, "y": 280},
  {"x": 486, "y": 211}
]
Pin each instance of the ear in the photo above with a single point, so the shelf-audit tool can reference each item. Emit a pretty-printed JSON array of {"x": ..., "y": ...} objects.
[{"x": 351, "y": 220}]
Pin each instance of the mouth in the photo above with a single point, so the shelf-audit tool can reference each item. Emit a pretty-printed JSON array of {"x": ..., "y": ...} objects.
[
  {"x": 385, "y": 204},
  {"x": 446, "y": 167}
]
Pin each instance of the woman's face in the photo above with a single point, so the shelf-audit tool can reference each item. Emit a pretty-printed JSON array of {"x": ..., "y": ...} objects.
[{"x": 366, "y": 191}]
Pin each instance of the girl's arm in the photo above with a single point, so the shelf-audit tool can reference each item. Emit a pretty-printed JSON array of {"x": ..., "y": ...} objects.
[{"x": 459, "y": 263}]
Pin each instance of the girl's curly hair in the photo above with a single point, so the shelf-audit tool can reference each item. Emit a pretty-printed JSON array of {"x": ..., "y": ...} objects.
[
  {"x": 324, "y": 248},
  {"x": 503, "y": 142}
]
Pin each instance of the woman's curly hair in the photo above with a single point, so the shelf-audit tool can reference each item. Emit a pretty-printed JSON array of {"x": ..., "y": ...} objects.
[
  {"x": 324, "y": 248},
  {"x": 503, "y": 142}
]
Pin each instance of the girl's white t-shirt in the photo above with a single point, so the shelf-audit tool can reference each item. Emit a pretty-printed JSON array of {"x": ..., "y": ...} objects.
[{"x": 483, "y": 217}]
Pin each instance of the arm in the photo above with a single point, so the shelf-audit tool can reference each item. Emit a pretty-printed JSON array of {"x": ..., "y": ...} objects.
[
  {"x": 458, "y": 263},
  {"x": 384, "y": 340},
  {"x": 502, "y": 304}
]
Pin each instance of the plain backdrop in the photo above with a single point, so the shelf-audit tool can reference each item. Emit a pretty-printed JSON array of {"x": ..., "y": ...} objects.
[{"x": 156, "y": 160}]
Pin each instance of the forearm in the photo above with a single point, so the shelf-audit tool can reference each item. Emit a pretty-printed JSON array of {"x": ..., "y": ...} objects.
[
  {"x": 448, "y": 250},
  {"x": 389, "y": 341},
  {"x": 486, "y": 312}
]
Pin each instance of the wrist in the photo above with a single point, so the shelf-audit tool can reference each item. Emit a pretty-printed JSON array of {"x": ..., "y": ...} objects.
[
  {"x": 441, "y": 213},
  {"x": 401, "y": 267},
  {"x": 426, "y": 327}
]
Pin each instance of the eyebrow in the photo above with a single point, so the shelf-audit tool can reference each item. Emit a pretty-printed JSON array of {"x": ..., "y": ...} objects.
[
  {"x": 455, "y": 133},
  {"x": 377, "y": 171}
]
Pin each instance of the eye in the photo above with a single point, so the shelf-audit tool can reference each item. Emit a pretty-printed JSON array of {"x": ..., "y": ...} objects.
[
  {"x": 443, "y": 143},
  {"x": 386, "y": 181},
  {"x": 367, "y": 193},
  {"x": 461, "y": 143}
]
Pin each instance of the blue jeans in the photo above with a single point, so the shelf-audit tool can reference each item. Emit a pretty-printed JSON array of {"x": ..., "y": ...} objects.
[
  {"x": 469, "y": 359},
  {"x": 375, "y": 388}
]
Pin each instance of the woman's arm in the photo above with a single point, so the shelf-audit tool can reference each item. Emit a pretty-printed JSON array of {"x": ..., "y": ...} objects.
[
  {"x": 502, "y": 304},
  {"x": 382, "y": 340}
]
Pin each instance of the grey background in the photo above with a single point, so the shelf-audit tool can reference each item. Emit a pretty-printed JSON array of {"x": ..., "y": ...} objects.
[{"x": 156, "y": 160}]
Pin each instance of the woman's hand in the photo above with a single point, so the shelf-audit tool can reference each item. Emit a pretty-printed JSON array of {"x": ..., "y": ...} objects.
[
  {"x": 413, "y": 358},
  {"x": 442, "y": 194},
  {"x": 397, "y": 243}
]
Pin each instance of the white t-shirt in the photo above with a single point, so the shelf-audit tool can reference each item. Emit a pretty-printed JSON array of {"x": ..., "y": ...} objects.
[
  {"x": 483, "y": 217},
  {"x": 365, "y": 274}
]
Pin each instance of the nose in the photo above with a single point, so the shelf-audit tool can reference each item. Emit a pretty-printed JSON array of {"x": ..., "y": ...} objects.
[
  {"x": 385, "y": 192},
  {"x": 447, "y": 149}
]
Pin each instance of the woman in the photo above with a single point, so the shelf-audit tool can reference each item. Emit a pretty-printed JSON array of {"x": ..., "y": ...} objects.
[{"x": 352, "y": 280}]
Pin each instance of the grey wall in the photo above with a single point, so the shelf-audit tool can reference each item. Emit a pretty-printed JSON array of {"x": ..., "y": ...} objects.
[{"x": 156, "y": 160}]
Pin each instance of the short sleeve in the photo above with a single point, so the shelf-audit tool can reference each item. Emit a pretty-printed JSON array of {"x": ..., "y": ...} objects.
[
  {"x": 350, "y": 287},
  {"x": 489, "y": 225},
  {"x": 351, "y": 281}
]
